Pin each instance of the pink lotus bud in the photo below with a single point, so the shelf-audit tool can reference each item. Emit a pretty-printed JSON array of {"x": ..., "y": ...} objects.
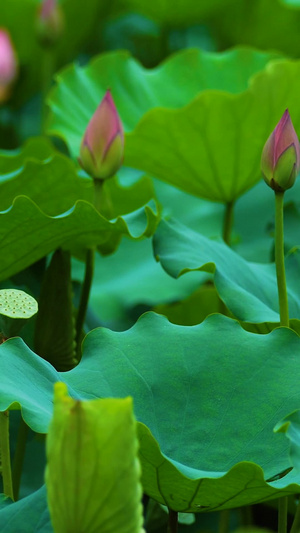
[
  {"x": 50, "y": 22},
  {"x": 280, "y": 160},
  {"x": 102, "y": 147},
  {"x": 8, "y": 65}
]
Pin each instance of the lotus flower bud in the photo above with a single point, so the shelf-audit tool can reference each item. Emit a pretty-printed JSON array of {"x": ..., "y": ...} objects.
[
  {"x": 280, "y": 160},
  {"x": 102, "y": 147},
  {"x": 50, "y": 22},
  {"x": 8, "y": 65}
]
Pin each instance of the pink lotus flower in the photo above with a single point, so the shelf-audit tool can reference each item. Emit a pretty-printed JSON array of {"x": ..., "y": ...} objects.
[
  {"x": 8, "y": 65},
  {"x": 102, "y": 147},
  {"x": 50, "y": 22},
  {"x": 280, "y": 160}
]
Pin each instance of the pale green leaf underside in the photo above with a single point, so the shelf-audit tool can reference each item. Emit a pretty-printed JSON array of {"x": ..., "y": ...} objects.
[
  {"x": 212, "y": 147},
  {"x": 181, "y": 382},
  {"x": 95, "y": 435},
  {"x": 136, "y": 90}
]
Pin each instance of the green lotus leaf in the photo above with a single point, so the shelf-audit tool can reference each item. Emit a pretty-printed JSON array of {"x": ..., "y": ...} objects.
[
  {"x": 290, "y": 425},
  {"x": 212, "y": 147},
  {"x": 199, "y": 449},
  {"x": 27, "y": 234},
  {"x": 248, "y": 289},
  {"x": 29, "y": 515},
  {"x": 51, "y": 181},
  {"x": 136, "y": 89},
  {"x": 132, "y": 265},
  {"x": 37, "y": 148}
]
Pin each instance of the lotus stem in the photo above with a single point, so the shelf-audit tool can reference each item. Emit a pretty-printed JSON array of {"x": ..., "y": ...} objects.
[
  {"x": 282, "y": 514},
  {"x": 228, "y": 222},
  {"x": 102, "y": 200},
  {"x": 296, "y": 523},
  {"x": 19, "y": 457},
  {"x": 224, "y": 521},
  {"x": 173, "y": 521},
  {"x": 84, "y": 297},
  {"x": 279, "y": 260},
  {"x": 5, "y": 455}
]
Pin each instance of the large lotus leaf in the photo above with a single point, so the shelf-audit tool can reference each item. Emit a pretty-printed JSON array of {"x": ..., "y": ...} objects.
[
  {"x": 29, "y": 515},
  {"x": 248, "y": 289},
  {"x": 19, "y": 17},
  {"x": 27, "y": 234},
  {"x": 212, "y": 147},
  {"x": 193, "y": 390},
  {"x": 136, "y": 90}
]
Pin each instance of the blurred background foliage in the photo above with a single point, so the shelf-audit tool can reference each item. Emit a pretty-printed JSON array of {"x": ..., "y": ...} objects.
[
  {"x": 151, "y": 31},
  {"x": 129, "y": 281}
]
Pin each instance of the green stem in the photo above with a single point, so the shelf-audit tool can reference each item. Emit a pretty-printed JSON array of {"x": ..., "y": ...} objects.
[
  {"x": 102, "y": 199},
  {"x": 84, "y": 297},
  {"x": 5, "y": 455},
  {"x": 279, "y": 260},
  {"x": 282, "y": 514},
  {"x": 296, "y": 523},
  {"x": 173, "y": 521},
  {"x": 246, "y": 515},
  {"x": 224, "y": 521},
  {"x": 19, "y": 457},
  {"x": 228, "y": 222}
]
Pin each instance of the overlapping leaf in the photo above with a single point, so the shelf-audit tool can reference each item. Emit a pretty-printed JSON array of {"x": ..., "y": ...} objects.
[
  {"x": 136, "y": 90},
  {"x": 248, "y": 289},
  {"x": 212, "y": 147},
  {"x": 51, "y": 181},
  {"x": 27, "y": 234},
  {"x": 29, "y": 515},
  {"x": 45, "y": 204},
  {"x": 199, "y": 448}
]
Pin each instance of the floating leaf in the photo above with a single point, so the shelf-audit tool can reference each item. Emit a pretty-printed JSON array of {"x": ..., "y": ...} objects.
[
  {"x": 193, "y": 457},
  {"x": 136, "y": 89}
]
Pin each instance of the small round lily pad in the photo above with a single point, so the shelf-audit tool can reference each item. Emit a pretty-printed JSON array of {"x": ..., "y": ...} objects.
[{"x": 15, "y": 308}]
